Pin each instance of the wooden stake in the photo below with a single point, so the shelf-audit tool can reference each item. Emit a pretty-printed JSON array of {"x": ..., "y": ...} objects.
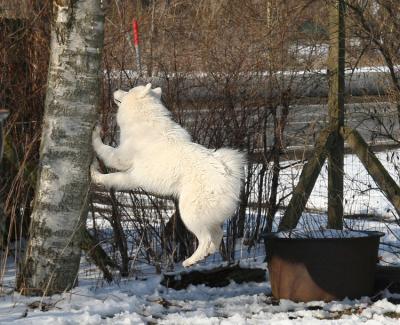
[
  {"x": 336, "y": 62},
  {"x": 306, "y": 182},
  {"x": 373, "y": 166}
]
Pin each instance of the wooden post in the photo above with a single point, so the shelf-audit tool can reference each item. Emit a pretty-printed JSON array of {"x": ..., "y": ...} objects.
[
  {"x": 373, "y": 166},
  {"x": 306, "y": 182},
  {"x": 336, "y": 62}
]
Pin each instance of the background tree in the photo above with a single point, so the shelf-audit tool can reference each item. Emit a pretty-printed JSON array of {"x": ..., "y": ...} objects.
[{"x": 377, "y": 24}]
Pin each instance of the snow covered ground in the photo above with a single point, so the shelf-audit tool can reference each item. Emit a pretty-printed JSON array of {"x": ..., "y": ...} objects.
[
  {"x": 145, "y": 301},
  {"x": 142, "y": 300},
  {"x": 139, "y": 302}
]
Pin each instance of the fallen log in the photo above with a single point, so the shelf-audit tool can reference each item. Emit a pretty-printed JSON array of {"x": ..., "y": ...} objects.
[{"x": 218, "y": 277}]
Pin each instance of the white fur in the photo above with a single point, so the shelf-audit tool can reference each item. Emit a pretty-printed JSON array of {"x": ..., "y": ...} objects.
[{"x": 157, "y": 154}]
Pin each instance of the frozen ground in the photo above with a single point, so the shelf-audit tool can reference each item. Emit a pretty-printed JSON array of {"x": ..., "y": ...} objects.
[{"x": 144, "y": 301}]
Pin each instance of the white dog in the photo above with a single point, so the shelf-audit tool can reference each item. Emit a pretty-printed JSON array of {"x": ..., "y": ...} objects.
[{"x": 157, "y": 154}]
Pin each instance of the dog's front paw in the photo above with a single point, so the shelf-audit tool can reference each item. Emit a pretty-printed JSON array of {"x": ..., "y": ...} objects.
[
  {"x": 94, "y": 172},
  {"x": 96, "y": 135}
]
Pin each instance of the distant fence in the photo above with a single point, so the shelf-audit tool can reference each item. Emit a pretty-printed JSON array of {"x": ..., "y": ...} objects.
[
  {"x": 373, "y": 81},
  {"x": 372, "y": 115}
]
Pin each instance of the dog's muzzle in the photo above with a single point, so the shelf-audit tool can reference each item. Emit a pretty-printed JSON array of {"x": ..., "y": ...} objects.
[{"x": 118, "y": 95}]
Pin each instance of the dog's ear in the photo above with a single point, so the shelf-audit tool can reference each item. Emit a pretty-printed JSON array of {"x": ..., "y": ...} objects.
[
  {"x": 157, "y": 92},
  {"x": 146, "y": 90},
  {"x": 147, "y": 87}
]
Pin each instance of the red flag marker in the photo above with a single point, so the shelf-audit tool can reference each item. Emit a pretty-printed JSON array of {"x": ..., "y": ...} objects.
[
  {"x": 135, "y": 28},
  {"x": 135, "y": 32}
]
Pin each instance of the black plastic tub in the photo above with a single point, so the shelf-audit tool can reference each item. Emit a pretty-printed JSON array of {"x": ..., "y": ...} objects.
[{"x": 322, "y": 265}]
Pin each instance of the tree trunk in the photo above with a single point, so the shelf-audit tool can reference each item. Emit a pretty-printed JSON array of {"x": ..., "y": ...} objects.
[
  {"x": 59, "y": 214},
  {"x": 277, "y": 149},
  {"x": 3, "y": 115},
  {"x": 244, "y": 200}
]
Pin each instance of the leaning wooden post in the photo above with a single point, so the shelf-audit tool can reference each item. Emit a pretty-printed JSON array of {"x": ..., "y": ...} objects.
[
  {"x": 336, "y": 62},
  {"x": 374, "y": 167},
  {"x": 306, "y": 183}
]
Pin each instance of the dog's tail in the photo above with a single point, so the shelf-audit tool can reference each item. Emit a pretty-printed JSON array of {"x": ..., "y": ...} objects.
[{"x": 234, "y": 160}]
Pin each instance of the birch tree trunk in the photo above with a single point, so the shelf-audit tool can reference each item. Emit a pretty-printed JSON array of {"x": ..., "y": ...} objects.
[{"x": 52, "y": 258}]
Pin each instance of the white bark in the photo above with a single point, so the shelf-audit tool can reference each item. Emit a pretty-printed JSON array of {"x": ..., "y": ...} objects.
[{"x": 53, "y": 254}]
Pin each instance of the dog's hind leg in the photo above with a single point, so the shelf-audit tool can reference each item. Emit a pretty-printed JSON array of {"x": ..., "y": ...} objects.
[
  {"x": 208, "y": 235},
  {"x": 209, "y": 242},
  {"x": 216, "y": 238},
  {"x": 198, "y": 213},
  {"x": 201, "y": 251}
]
